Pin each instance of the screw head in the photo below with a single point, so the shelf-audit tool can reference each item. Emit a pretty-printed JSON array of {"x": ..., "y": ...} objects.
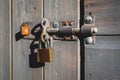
[
  {"x": 56, "y": 25},
  {"x": 88, "y": 19},
  {"x": 94, "y": 30},
  {"x": 72, "y": 23},
  {"x": 89, "y": 40}
]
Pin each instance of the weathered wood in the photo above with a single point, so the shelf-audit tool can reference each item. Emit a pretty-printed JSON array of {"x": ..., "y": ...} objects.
[
  {"x": 65, "y": 65},
  {"x": 23, "y": 50},
  {"x": 107, "y": 15},
  {"x": 65, "y": 62},
  {"x": 56, "y": 10},
  {"x": 4, "y": 40},
  {"x": 102, "y": 59}
]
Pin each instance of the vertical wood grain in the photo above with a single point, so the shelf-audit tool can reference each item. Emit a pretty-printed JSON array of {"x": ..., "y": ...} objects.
[
  {"x": 107, "y": 15},
  {"x": 65, "y": 63},
  {"x": 4, "y": 40},
  {"x": 25, "y": 11},
  {"x": 102, "y": 59}
]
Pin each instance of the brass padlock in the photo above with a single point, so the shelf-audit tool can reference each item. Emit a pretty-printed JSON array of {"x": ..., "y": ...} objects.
[
  {"x": 44, "y": 54},
  {"x": 25, "y": 30}
]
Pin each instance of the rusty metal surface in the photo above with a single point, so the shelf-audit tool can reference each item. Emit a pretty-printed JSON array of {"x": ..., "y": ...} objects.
[{"x": 44, "y": 55}]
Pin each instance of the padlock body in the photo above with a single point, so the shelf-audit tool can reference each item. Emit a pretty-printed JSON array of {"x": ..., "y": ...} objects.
[
  {"x": 44, "y": 55},
  {"x": 25, "y": 30}
]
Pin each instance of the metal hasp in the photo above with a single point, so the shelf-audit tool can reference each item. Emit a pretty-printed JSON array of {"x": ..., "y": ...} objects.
[
  {"x": 46, "y": 31},
  {"x": 67, "y": 30}
]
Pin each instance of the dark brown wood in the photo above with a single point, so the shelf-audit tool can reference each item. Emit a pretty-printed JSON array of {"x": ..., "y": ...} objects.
[
  {"x": 65, "y": 65},
  {"x": 107, "y": 15},
  {"x": 102, "y": 60},
  {"x": 24, "y": 57},
  {"x": 4, "y": 40}
]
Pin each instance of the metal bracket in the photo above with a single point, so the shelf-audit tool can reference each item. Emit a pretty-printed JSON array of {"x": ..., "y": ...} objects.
[
  {"x": 61, "y": 30},
  {"x": 46, "y": 31},
  {"x": 89, "y": 20}
]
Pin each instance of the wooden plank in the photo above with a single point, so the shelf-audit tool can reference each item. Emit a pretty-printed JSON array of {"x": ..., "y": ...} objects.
[
  {"x": 65, "y": 65},
  {"x": 24, "y": 58},
  {"x": 102, "y": 59},
  {"x": 107, "y": 15},
  {"x": 65, "y": 62},
  {"x": 4, "y": 40},
  {"x": 56, "y": 10}
]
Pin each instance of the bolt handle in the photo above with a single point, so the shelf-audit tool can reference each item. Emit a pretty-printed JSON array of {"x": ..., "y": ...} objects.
[{"x": 44, "y": 35}]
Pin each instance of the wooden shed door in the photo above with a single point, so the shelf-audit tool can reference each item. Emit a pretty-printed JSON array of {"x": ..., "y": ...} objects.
[
  {"x": 102, "y": 60},
  {"x": 66, "y": 59}
]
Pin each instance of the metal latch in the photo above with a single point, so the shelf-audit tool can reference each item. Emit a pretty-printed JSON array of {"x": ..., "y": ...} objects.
[
  {"x": 46, "y": 31},
  {"x": 62, "y": 30}
]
